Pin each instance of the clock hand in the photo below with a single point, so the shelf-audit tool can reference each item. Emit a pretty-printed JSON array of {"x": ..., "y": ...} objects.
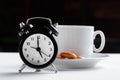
[
  {"x": 40, "y": 54},
  {"x": 37, "y": 41},
  {"x": 45, "y": 54},
  {"x": 38, "y": 49},
  {"x": 34, "y": 47}
]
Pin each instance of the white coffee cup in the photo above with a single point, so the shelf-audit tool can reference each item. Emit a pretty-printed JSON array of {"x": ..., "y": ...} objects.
[{"x": 78, "y": 39}]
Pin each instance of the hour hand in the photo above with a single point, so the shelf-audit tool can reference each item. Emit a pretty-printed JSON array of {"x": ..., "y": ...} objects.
[
  {"x": 39, "y": 50},
  {"x": 33, "y": 47}
]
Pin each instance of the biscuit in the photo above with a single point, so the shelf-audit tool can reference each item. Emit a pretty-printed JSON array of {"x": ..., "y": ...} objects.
[{"x": 68, "y": 55}]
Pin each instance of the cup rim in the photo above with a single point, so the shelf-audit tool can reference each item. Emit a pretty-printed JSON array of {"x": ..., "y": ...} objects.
[{"x": 76, "y": 26}]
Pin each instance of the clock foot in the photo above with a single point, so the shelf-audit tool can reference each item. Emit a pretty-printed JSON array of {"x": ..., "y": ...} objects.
[
  {"x": 37, "y": 70},
  {"x": 54, "y": 68},
  {"x": 22, "y": 67}
]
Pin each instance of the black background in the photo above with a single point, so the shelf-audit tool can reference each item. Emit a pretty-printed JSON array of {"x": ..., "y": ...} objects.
[{"x": 103, "y": 14}]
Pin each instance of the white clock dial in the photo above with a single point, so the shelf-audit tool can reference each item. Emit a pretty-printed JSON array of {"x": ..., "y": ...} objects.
[{"x": 38, "y": 49}]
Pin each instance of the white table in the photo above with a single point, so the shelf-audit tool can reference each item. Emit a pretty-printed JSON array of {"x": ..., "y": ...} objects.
[{"x": 108, "y": 69}]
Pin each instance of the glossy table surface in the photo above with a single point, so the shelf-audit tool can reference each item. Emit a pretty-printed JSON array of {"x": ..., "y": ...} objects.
[{"x": 107, "y": 69}]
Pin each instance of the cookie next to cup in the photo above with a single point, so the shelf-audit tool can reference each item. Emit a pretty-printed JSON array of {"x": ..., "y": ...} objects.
[{"x": 69, "y": 55}]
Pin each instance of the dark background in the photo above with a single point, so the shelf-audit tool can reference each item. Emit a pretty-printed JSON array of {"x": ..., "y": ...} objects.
[{"x": 103, "y": 14}]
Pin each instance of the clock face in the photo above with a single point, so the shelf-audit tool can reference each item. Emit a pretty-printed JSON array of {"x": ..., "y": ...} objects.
[{"x": 38, "y": 49}]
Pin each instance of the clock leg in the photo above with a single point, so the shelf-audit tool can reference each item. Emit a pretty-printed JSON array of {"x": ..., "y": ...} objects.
[
  {"x": 37, "y": 70},
  {"x": 54, "y": 68},
  {"x": 22, "y": 67}
]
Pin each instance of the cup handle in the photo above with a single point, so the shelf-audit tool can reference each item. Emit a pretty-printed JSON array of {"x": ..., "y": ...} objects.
[{"x": 98, "y": 32}]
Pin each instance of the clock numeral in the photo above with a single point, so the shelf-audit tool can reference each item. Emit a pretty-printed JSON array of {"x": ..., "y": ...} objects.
[
  {"x": 32, "y": 59},
  {"x": 28, "y": 43},
  {"x": 45, "y": 59},
  {"x": 49, "y": 55},
  {"x": 38, "y": 37},
  {"x": 49, "y": 43},
  {"x": 25, "y": 49},
  {"x": 38, "y": 61},
  {"x": 50, "y": 49},
  {"x": 27, "y": 55},
  {"x": 44, "y": 38},
  {"x": 32, "y": 39}
]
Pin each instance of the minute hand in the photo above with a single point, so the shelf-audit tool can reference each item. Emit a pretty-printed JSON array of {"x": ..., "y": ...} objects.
[{"x": 37, "y": 41}]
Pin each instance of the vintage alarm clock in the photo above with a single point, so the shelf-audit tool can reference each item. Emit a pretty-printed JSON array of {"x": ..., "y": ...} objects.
[{"x": 38, "y": 48}]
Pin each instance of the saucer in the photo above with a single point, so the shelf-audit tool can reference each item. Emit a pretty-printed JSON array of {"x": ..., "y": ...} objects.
[{"x": 86, "y": 62}]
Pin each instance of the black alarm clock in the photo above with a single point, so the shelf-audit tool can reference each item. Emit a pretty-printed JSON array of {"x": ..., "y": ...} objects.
[{"x": 38, "y": 48}]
